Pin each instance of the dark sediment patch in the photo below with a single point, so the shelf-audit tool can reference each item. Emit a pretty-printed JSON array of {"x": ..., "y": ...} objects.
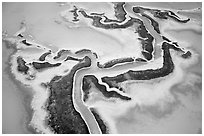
[
  {"x": 186, "y": 55},
  {"x": 137, "y": 9},
  {"x": 147, "y": 45},
  {"x": 172, "y": 14},
  {"x": 120, "y": 11},
  {"x": 89, "y": 79},
  {"x": 166, "y": 39},
  {"x": 22, "y": 65},
  {"x": 97, "y": 14},
  {"x": 83, "y": 51},
  {"x": 63, "y": 117},
  {"x": 44, "y": 65},
  {"x": 20, "y": 35},
  {"x": 86, "y": 51},
  {"x": 168, "y": 67},
  {"x": 178, "y": 20},
  {"x": 142, "y": 31},
  {"x": 102, "y": 125},
  {"x": 72, "y": 58},
  {"x": 161, "y": 14},
  {"x": 95, "y": 54},
  {"x": 44, "y": 55},
  {"x": 60, "y": 53},
  {"x": 56, "y": 78},
  {"x": 147, "y": 55},
  {"x": 26, "y": 43},
  {"x": 147, "y": 42},
  {"x": 154, "y": 23},
  {"x": 114, "y": 62},
  {"x": 85, "y": 87},
  {"x": 175, "y": 43},
  {"x": 99, "y": 65},
  {"x": 140, "y": 60},
  {"x": 75, "y": 14},
  {"x": 108, "y": 20}
]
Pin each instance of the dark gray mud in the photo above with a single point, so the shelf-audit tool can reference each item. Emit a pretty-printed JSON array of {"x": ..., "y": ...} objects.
[
  {"x": 26, "y": 43},
  {"x": 60, "y": 53},
  {"x": 75, "y": 14},
  {"x": 161, "y": 14},
  {"x": 72, "y": 58},
  {"x": 44, "y": 55},
  {"x": 44, "y": 65},
  {"x": 102, "y": 125},
  {"x": 114, "y": 62},
  {"x": 63, "y": 117},
  {"x": 22, "y": 67}
]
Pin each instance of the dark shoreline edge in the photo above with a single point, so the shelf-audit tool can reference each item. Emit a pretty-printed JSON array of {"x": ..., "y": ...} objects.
[
  {"x": 44, "y": 55},
  {"x": 104, "y": 129},
  {"x": 115, "y": 62}
]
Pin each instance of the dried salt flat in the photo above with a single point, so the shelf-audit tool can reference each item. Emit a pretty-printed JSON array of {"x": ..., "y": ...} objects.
[{"x": 48, "y": 34}]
